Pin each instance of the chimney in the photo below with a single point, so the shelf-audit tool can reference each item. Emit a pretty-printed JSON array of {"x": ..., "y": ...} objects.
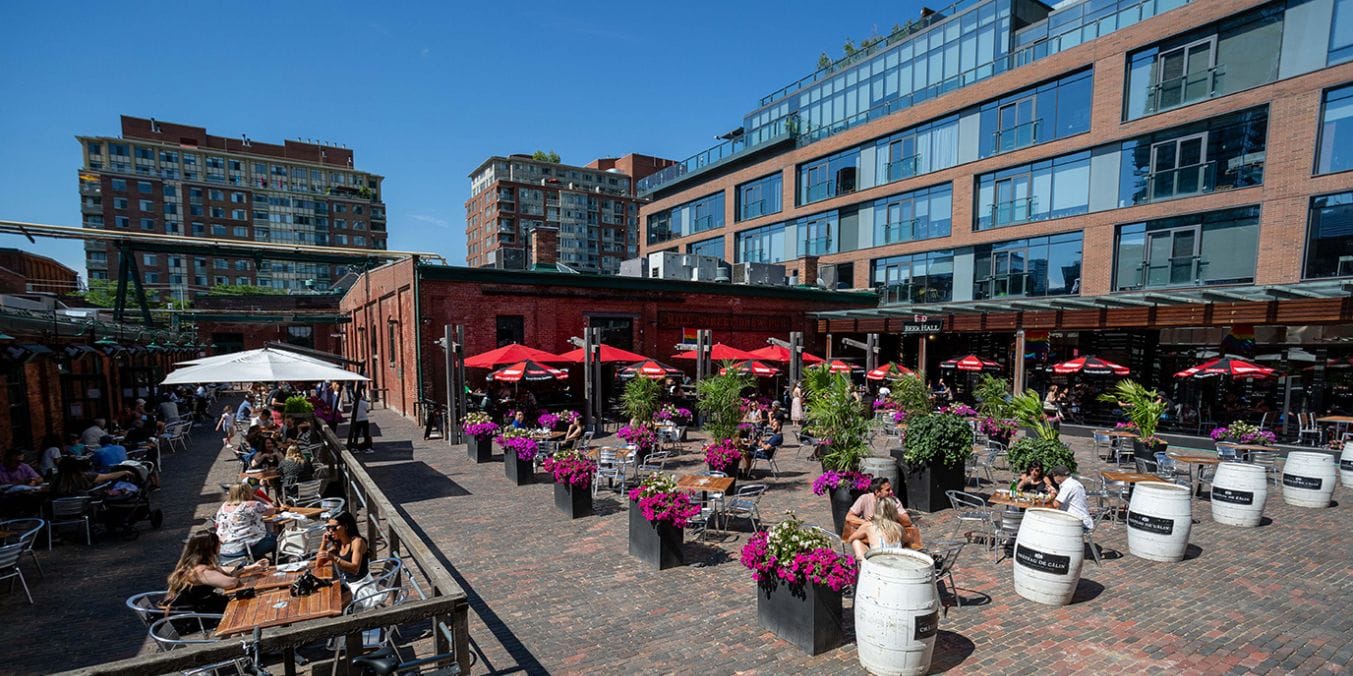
[
  {"x": 808, "y": 270},
  {"x": 543, "y": 247}
]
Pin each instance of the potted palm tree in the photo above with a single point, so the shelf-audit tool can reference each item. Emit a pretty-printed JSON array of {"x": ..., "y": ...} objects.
[
  {"x": 719, "y": 398},
  {"x": 1045, "y": 444},
  {"x": 838, "y": 421},
  {"x": 1143, "y": 408}
]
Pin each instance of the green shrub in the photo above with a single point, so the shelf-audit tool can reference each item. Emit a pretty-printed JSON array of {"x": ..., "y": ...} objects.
[
  {"x": 1050, "y": 452},
  {"x": 938, "y": 438},
  {"x": 298, "y": 405},
  {"x": 910, "y": 394}
]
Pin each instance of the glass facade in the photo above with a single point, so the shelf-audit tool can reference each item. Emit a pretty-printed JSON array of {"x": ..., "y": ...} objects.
[
  {"x": 1052, "y": 188},
  {"x": 707, "y": 247},
  {"x": 829, "y": 177},
  {"x": 1050, "y": 111},
  {"x": 1216, "y": 154},
  {"x": 1035, "y": 267},
  {"x": 1341, "y": 32},
  {"x": 1335, "y": 149},
  {"x": 690, "y": 218},
  {"x": 1329, "y": 237},
  {"x": 1068, "y": 26},
  {"x": 915, "y": 151},
  {"x": 926, "y": 277},
  {"x": 760, "y": 197},
  {"x": 1218, "y": 247},
  {"x": 762, "y": 245},
  {"x": 919, "y": 214},
  {"x": 1230, "y": 56}
]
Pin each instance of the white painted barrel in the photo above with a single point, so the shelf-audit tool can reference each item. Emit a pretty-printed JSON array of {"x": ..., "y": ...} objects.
[
  {"x": 881, "y": 467},
  {"x": 1048, "y": 556},
  {"x": 1160, "y": 516},
  {"x": 1239, "y": 491},
  {"x": 1308, "y": 479},
  {"x": 1346, "y": 465},
  {"x": 897, "y": 612}
]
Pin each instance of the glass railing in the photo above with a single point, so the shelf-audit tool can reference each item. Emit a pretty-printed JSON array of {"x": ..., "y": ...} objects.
[
  {"x": 901, "y": 231},
  {"x": 1012, "y": 212},
  {"x": 1181, "y": 182},
  {"x": 902, "y": 168},
  {"x": 1018, "y": 136},
  {"x": 783, "y": 129},
  {"x": 1187, "y": 88},
  {"x": 911, "y": 292},
  {"x": 752, "y": 209},
  {"x": 816, "y": 192},
  {"x": 1173, "y": 271},
  {"x": 1001, "y": 286},
  {"x": 817, "y": 246}
]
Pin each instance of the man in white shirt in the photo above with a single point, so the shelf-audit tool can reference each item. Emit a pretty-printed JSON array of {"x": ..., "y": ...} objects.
[
  {"x": 92, "y": 434},
  {"x": 1070, "y": 496},
  {"x": 360, "y": 431}
]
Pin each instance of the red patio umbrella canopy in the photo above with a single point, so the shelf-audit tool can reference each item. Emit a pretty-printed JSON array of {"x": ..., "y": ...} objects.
[
  {"x": 1227, "y": 366},
  {"x": 889, "y": 370},
  {"x": 509, "y": 354},
  {"x": 753, "y": 367},
  {"x": 780, "y": 354},
  {"x": 838, "y": 366},
  {"x": 720, "y": 352},
  {"x": 527, "y": 370},
  {"x": 1091, "y": 365},
  {"x": 608, "y": 355},
  {"x": 971, "y": 362},
  {"x": 649, "y": 369}
]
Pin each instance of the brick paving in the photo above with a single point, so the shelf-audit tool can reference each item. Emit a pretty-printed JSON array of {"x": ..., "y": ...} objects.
[{"x": 553, "y": 595}]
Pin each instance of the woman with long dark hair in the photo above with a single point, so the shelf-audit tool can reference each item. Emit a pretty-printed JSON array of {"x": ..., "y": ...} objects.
[
  {"x": 349, "y": 552},
  {"x": 196, "y": 579}
]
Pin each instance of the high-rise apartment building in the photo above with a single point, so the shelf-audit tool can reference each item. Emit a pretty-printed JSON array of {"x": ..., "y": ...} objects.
[
  {"x": 592, "y": 210},
  {"x": 1001, "y": 148},
  {"x": 160, "y": 177}
]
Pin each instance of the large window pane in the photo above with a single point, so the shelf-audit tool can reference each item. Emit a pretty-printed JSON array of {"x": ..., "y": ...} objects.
[
  {"x": 1329, "y": 240},
  {"x": 1336, "y": 131},
  {"x": 1341, "y": 32},
  {"x": 1211, "y": 248}
]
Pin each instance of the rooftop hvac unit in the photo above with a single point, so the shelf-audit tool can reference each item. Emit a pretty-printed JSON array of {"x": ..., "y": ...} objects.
[{"x": 759, "y": 273}]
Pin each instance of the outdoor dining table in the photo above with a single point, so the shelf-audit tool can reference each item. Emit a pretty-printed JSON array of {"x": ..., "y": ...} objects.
[
  {"x": 700, "y": 483},
  {"x": 1022, "y": 503},
  {"x": 278, "y": 607},
  {"x": 1340, "y": 422},
  {"x": 621, "y": 453},
  {"x": 265, "y": 475},
  {"x": 1246, "y": 449},
  {"x": 1195, "y": 460},
  {"x": 269, "y": 580},
  {"x": 1129, "y": 477},
  {"x": 548, "y": 436}
]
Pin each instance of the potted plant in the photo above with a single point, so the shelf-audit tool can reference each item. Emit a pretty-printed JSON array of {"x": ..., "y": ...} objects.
[
  {"x": 642, "y": 438},
  {"x": 934, "y": 453},
  {"x": 480, "y": 430},
  {"x": 639, "y": 401},
  {"x": 519, "y": 456},
  {"x": 298, "y": 407},
  {"x": 719, "y": 398},
  {"x": 679, "y": 416},
  {"x": 834, "y": 415},
  {"x": 799, "y": 577},
  {"x": 657, "y": 519},
  {"x": 1000, "y": 430},
  {"x": 573, "y": 473},
  {"x": 844, "y": 488},
  {"x": 1044, "y": 445},
  {"x": 1143, "y": 408},
  {"x": 548, "y": 421},
  {"x": 1241, "y": 432},
  {"x": 723, "y": 456}
]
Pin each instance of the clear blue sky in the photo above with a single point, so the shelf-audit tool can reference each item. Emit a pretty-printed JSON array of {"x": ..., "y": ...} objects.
[{"x": 423, "y": 92}]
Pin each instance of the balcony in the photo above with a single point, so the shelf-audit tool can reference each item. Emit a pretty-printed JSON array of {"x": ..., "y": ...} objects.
[
  {"x": 899, "y": 169},
  {"x": 1014, "y": 284},
  {"x": 1012, "y": 212},
  {"x": 911, "y": 293},
  {"x": 1016, "y": 137},
  {"x": 900, "y": 231},
  {"x": 1182, "y": 182},
  {"x": 785, "y": 129},
  {"x": 817, "y": 246},
  {"x": 1183, "y": 90}
]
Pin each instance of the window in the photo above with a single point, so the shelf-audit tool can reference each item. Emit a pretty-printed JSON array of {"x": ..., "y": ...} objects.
[
  {"x": 216, "y": 195},
  {"x": 358, "y": 240},
  {"x": 152, "y": 278},
  {"x": 340, "y": 223},
  {"x": 1039, "y": 114},
  {"x": 240, "y": 231},
  {"x": 149, "y": 260},
  {"x": 692, "y": 217},
  {"x": 919, "y": 150},
  {"x": 95, "y": 148},
  {"x": 1053, "y": 188},
  {"x": 707, "y": 247},
  {"x": 119, "y": 202},
  {"x": 220, "y": 264},
  {"x": 242, "y": 281},
  {"x": 146, "y": 205},
  {"x": 169, "y": 157},
  {"x": 120, "y": 184},
  {"x": 919, "y": 214},
  {"x": 829, "y": 177},
  {"x": 918, "y": 278},
  {"x": 170, "y": 191},
  {"x": 238, "y": 197},
  {"x": 1035, "y": 267},
  {"x": 817, "y": 233},
  {"x": 218, "y": 212},
  {"x": 1329, "y": 237},
  {"x": 340, "y": 208},
  {"x": 511, "y": 329},
  {"x": 1211, "y": 248},
  {"x": 218, "y": 230},
  {"x": 199, "y": 229},
  {"x": 1219, "y": 153},
  {"x": 341, "y": 240},
  {"x": 122, "y": 221},
  {"x": 239, "y": 214},
  {"x": 760, "y": 197},
  {"x": 1335, "y": 148},
  {"x": 762, "y": 245},
  {"x": 1341, "y": 32},
  {"x": 117, "y": 149},
  {"x": 144, "y": 187},
  {"x": 241, "y": 265},
  {"x": 147, "y": 224}
]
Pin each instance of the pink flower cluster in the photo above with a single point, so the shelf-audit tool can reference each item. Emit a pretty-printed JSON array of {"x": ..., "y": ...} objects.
[
  {"x": 821, "y": 565},
  {"x": 677, "y": 414},
  {"x": 548, "y": 420},
  {"x": 571, "y": 470},
  {"x": 567, "y": 417},
  {"x": 481, "y": 430},
  {"x": 885, "y": 405},
  {"x": 962, "y": 410},
  {"x": 831, "y": 479},
  {"x": 1126, "y": 426},
  {"x": 643, "y": 438},
  {"x": 998, "y": 428},
  {"x": 675, "y": 507},
  {"x": 722, "y": 455},
  {"x": 524, "y": 447},
  {"x": 899, "y": 417}
]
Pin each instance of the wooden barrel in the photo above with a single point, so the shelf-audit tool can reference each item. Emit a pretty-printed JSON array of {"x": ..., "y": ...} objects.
[
  {"x": 1308, "y": 479},
  {"x": 1160, "y": 516},
  {"x": 1239, "y": 491},
  {"x": 1049, "y": 551},
  {"x": 1346, "y": 465},
  {"x": 897, "y": 612},
  {"x": 882, "y": 467}
]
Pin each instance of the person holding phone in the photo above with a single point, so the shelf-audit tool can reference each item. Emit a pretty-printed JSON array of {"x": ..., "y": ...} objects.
[{"x": 198, "y": 578}]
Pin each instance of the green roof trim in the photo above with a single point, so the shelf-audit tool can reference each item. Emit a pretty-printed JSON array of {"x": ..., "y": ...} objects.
[{"x": 550, "y": 278}]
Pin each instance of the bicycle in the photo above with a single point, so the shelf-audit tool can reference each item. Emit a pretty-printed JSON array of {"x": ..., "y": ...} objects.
[
  {"x": 435, "y": 418},
  {"x": 387, "y": 661}
]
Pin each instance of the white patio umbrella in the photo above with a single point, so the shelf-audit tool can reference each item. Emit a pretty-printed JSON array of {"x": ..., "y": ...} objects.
[
  {"x": 222, "y": 358},
  {"x": 265, "y": 365}
]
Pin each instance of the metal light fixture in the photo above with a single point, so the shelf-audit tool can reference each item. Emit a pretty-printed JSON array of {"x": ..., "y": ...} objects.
[{"x": 6, "y": 336}]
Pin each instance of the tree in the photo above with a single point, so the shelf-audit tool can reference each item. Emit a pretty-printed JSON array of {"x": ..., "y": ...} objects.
[
  {"x": 824, "y": 61},
  {"x": 542, "y": 156},
  {"x": 849, "y": 47},
  {"x": 103, "y": 293},
  {"x": 243, "y": 290}
]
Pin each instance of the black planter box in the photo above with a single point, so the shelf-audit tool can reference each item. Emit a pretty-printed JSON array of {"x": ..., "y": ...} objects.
[
  {"x": 807, "y": 616},
  {"x": 480, "y": 449},
  {"x": 656, "y": 544},
  {"x": 925, "y": 485},
  {"x": 842, "y": 498},
  {"x": 1143, "y": 452},
  {"x": 520, "y": 472},
  {"x": 575, "y": 501}
]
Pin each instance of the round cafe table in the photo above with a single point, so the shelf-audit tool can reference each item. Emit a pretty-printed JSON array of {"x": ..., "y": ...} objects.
[{"x": 1195, "y": 458}]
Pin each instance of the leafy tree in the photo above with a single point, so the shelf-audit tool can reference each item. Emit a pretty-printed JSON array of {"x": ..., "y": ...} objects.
[
  {"x": 849, "y": 47},
  {"x": 1028, "y": 410},
  {"x": 640, "y": 399},
  {"x": 910, "y": 393},
  {"x": 824, "y": 61},
  {"x": 720, "y": 399},
  {"x": 103, "y": 293},
  {"x": 993, "y": 397},
  {"x": 833, "y": 413},
  {"x": 243, "y": 290},
  {"x": 542, "y": 156}
]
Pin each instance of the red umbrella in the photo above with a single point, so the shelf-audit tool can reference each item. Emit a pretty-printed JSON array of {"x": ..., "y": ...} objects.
[
  {"x": 527, "y": 370},
  {"x": 509, "y": 354},
  {"x": 1227, "y": 366},
  {"x": 780, "y": 354},
  {"x": 1090, "y": 365},
  {"x": 838, "y": 366},
  {"x": 889, "y": 371},
  {"x": 753, "y": 367},
  {"x": 649, "y": 369},
  {"x": 971, "y": 362},
  {"x": 719, "y": 352},
  {"x": 608, "y": 355}
]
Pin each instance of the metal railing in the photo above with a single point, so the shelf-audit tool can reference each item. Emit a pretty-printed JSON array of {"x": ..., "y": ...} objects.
[
  {"x": 905, "y": 167},
  {"x": 1012, "y": 212},
  {"x": 900, "y": 231},
  {"x": 442, "y": 599},
  {"x": 1191, "y": 180},
  {"x": 1018, "y": 136},
  {"x": 1185, "y": 89}
]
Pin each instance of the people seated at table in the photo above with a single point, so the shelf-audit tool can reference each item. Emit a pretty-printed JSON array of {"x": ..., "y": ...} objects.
[
  {"x": 239, "y": 523},
  {"x": 52, "y": 451},
  {"x": 245, "y": 412},
  {"x": 109, "y": 454},
  {"x": 13, "y": 470},
  {"x": 1071, "y": 496},
  {"x": 766, "y": 447},
  {"x": 74, "y": 478},
  {"x": 267, "y": 457},
  {"x": 349, "y": 552},
  {"x": 138, "y": 434},
  {"x": 1033, "y": 480},
  {"x": 884, "y": 531},
  {"x": 295, "y": 467},
  {"x": 518, "y": 421},
  {"x": 92, "y": 434},
  {"x": 198, "y": 578},
  {"x": 862, "y": 511},
  {"x": 574, "y": 434}
]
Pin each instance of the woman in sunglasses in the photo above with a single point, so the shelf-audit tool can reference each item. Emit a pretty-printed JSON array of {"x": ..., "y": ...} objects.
[{"x": 349, "y": 552}]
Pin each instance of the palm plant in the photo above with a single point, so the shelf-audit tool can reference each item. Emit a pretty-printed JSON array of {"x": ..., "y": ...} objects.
[
  {"x": 1027, "y": 408},
  {"x": 993, "y": 397},
  {"x": 719, "y": 398},
  {"x": 910, "y": 394},
  {"x": 833, "y": 414},
  {"x": 1142, "y": 406},
  {"x": 639, "y": 401}
]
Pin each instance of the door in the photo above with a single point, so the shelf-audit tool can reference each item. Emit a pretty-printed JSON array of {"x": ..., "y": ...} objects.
[
  {"x": 902, "y": 159},
  {"x": 816, "y": 183},
  {"x": 1013, "y": 204},
  {"x": 1172, "y": 256},
  {"x": 1184, "y": 74},
  {"x": 1016, "y": 127},
  {"x": 901, "y": 222},
  {"x": 1008, "y": 270},
  {"x": 1178, "y": 166}
]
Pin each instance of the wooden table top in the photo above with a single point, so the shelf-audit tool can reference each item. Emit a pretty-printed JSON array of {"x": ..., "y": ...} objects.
[
  {"x": 548, "y": 436},
  {"x": 307, "y": 512},
  {"x": 1341, "y": 419},
  {"x": 620, "y": 453},
  {"x": 1247, "y": 447},
  {"x": 273, "y": 579},
  {"x": 264, "y": 475},
  {"x": 1022, "y": 503},
  {"x": 1129, "y": 477},
  {"x": 1122, "y": 434},
  {"x": 1194, "y": 459},
  {"x": 695, "y": 483},
  {"x": 242, "y": 615}
]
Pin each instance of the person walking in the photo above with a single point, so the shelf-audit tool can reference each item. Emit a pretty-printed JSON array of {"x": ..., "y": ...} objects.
[
  {"x": 796, "y": 404},
  {"x": 359, "y": 433}
]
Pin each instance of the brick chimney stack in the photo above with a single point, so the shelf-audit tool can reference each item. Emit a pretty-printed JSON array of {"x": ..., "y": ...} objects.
[{"x": 543, "y": 249}]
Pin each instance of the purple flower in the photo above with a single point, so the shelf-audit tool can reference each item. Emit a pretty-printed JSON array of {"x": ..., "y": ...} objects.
[
  {"x": 524, "y": 447},
  {"x": 643, "y": 438},
  {"x": 672, "y": 507},
  {"x": 548, "y": 420},
  {"x": 722, "y": 455},
  {"x": 831, "y": 479},
  {"x": 571, "y": 469}
]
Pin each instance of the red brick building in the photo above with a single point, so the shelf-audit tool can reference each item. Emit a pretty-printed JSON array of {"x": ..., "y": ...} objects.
[
  {"x": 398, "y": 311},
  {"x": 236, "y": 323},
  {"x": 25, "y": 272}
]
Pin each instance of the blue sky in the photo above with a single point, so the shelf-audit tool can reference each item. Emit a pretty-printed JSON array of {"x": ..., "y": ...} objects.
[{"x": 423, "y": 92}]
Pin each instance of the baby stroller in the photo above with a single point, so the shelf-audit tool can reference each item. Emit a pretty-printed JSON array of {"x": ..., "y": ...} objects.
[{"x": 127, "y": 502}]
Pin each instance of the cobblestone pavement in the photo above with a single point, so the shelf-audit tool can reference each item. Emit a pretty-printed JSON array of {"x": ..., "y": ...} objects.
[{"x": 553, "y": 595}]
